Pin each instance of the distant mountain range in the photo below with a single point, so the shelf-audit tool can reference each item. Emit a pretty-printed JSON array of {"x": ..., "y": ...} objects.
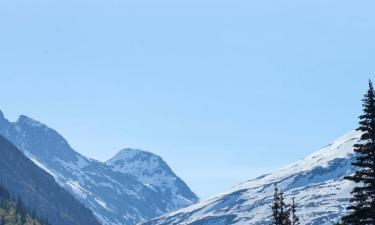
[
  {"x": 316, "y": 182},
  {"x": 132, "y": 187},
  {"x": 136, "y": 186}
]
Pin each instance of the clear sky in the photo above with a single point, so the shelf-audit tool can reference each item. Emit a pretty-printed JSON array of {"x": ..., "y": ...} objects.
[{"x": 223, "y": 90}]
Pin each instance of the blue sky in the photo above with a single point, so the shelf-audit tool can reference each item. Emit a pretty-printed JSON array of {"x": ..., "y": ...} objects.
[{"x": 223, "y": 90}]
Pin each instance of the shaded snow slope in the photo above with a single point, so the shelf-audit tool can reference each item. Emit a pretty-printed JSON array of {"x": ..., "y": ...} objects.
[
  {"x": 38, "y": 190},
  {"x": 116, "y": 197},
  {"x": 316, "y": 182}
]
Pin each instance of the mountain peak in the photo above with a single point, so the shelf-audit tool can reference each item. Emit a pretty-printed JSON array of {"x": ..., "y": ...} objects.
[
  {"x": 130, "y": 154},
  {"x": 3, "y": 120},
  {"x": 152, "y": 170},
  {"x": 25, "y": 120}
]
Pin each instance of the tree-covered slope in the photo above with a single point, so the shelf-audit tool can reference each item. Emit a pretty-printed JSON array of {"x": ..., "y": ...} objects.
[{"x": 14, "y": 212}]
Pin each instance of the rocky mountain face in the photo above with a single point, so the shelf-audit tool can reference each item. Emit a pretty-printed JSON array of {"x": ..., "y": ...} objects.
[
  {"x": 117, "y": 196},
  {"x": 38, "y": 190},
  {"x": 316, "y": 182}
]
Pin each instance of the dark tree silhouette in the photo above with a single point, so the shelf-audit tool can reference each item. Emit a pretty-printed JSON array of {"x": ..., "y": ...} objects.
[
  {"x": 293, "y": 211},
  {"x": 280, "y": 210},
  {"x": 362, "y": 203}
]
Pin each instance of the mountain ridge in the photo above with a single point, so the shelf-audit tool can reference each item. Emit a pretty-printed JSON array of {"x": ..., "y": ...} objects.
[
  {"x": 315, "y": 181},
  {"x": 115, "y": 197},
  {"x": 39, "y": 190}
]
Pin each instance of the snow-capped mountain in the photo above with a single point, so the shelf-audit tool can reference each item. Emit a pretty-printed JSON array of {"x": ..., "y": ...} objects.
[
  {"x": 316, "y": 182},
  {"x": 113, "y": 194},
  {"x": 152, "y": 170}
]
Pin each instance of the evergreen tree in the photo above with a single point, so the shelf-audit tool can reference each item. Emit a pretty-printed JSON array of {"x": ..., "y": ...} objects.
[
  {"x": 293, "y": 211},
  {"x": 276, "y": 208},
  {"x": 362, "y": 203},
  {"x": 280, "y": 210},
  {"x": 284, "y": 210}
]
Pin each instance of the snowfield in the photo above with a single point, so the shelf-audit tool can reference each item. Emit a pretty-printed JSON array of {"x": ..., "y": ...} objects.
[{"x": 316, "y": 182}]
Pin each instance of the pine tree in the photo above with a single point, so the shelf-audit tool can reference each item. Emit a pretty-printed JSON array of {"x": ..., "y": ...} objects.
[
  {"x": 276, "y": 208},
  {"x": 284, "y": 210},
  {"x": 280, "y": 210},
  {"x": 362, "y": 203},
  {"x": 293, "y": 211}
]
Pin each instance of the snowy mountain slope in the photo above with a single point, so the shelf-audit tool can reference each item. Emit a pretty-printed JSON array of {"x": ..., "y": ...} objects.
[
  {"x": 316, "y": 183},
  {"x": 152, "y": 170},
  {"x": 115, "y": 197}
]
